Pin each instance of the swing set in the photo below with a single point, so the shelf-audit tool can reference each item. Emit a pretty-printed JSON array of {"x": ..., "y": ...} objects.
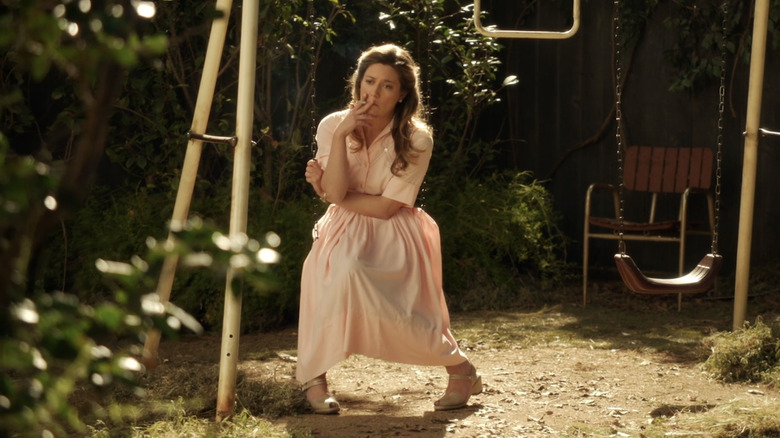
[{"x": 242, "y": 141}]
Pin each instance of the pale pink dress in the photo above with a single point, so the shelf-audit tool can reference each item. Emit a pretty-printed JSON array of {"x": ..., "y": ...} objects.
[{"x": 374, "y": 286}]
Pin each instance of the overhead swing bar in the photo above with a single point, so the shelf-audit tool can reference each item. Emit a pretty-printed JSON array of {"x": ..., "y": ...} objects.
[{"x": 532, "y": 34}]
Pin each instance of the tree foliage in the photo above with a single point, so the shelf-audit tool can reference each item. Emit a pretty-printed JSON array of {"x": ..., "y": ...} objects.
[
  {"x": 702, "y": 32},
  {"x": 63, "y": 67},
  {"x": 59, "y": 346}
]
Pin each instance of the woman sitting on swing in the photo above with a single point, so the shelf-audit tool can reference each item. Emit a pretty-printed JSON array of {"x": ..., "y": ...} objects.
[{"x": 372, "y": 282}]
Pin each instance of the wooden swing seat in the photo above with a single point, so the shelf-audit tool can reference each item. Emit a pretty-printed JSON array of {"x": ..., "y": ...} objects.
[
  {"x": 685, "y": 172},
  {"x": 699, "y": 280}
]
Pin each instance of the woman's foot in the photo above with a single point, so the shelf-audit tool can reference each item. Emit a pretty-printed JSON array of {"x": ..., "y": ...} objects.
[
  {"x": 318, "y": 397},
  {"x": 463, "y": 383}
]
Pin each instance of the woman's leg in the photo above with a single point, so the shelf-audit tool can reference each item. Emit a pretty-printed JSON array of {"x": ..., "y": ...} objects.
[
  {"x": 317, "y": 391},
  {"x": 459, "y": 386},
  {"x": 462, "y": 384},
  {"x": 318, "y": 397}
]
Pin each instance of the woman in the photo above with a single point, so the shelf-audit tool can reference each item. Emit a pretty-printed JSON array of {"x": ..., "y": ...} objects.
[{"x": 371, "y": 283}]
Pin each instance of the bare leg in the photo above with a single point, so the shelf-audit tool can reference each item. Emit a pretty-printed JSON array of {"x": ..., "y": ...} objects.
[
  {"x": 460, "y": 386},
  {"x": 463, "y": 382}
]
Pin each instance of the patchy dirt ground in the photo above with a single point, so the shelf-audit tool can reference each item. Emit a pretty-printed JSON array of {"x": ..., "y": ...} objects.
[{"x": 557, "y": 387}]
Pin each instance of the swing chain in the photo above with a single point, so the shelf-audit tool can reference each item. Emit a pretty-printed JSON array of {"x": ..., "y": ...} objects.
[
  {"x": 721, "y": 110},
  {"x": 429, "y": 10},
  {"x": 313, "y": 84},
  {"x": 619, "y": 131},
  {"x": 312, "y": 73}
]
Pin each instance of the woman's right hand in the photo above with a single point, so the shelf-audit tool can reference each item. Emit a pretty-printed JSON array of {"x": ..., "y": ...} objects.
[
  {"x": 357, "y": 117},
  {"x": 334, "y": 180}
]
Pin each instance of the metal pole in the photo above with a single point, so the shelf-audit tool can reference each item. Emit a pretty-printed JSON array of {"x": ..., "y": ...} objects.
[
  {"x": 749, "y": 160},
  {"x": 231, "y": 319},
  {"x": 191, "y": 161}
]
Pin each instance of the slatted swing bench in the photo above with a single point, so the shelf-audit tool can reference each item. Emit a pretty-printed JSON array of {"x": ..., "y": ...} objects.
[{"x": 655, "y": 170}]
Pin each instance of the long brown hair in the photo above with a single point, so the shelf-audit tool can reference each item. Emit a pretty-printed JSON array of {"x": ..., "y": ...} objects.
[{"x": 409, "y": 113}]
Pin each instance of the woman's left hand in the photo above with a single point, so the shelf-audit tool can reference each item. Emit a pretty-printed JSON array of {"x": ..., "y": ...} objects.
[{"x": 314, "y": 175}]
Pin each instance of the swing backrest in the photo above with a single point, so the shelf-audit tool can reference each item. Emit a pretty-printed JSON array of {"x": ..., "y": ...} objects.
[{"x": 667, "y": 170}]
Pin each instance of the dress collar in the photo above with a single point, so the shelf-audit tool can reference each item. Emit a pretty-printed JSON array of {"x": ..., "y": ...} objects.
[{"x": 384, "y": 132}]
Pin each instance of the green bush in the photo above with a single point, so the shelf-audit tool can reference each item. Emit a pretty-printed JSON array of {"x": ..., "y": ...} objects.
[
  {"x": 500, "y": 241},
  {"x": 751, "y": 354},
  {"x": 112, "y": 225},
  {"x": 499, "y": 238}
]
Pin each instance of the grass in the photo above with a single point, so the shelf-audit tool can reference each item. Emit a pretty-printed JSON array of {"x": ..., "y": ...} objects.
[
  {"x": 193, "y": 417},
  {"x": 751, "y": 354},
  {"x": 677, "y": 334},
  {"x": 735, "y": 418},
  {"x": 178, "y": 423},
  {"x": 180, "y": 403}
]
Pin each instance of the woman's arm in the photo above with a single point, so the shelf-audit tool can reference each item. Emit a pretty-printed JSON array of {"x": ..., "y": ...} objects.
[
  {"x": 370, "y": 205},
  {"x": 334, "y": 182}
]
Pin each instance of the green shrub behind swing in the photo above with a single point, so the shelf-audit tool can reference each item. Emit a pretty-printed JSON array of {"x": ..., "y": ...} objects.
[{"x": 500, "y": 241}]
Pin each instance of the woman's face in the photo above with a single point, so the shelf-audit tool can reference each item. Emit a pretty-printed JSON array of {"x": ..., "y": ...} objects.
[{"x": 381, "y": 87}]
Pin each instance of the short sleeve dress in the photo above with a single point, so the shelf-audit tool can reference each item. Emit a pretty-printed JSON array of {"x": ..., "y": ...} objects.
[{"x": 373, "y": 286}]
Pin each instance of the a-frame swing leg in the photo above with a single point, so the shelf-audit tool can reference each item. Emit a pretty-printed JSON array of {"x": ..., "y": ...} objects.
[
  {"x": 750, "y": 161},
  {"x": 189, "y": 173},
  {"x": 231, "y": 321}
]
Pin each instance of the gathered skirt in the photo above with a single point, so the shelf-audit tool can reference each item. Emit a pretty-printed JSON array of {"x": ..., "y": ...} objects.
[{"x": 373, "y": 287}]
